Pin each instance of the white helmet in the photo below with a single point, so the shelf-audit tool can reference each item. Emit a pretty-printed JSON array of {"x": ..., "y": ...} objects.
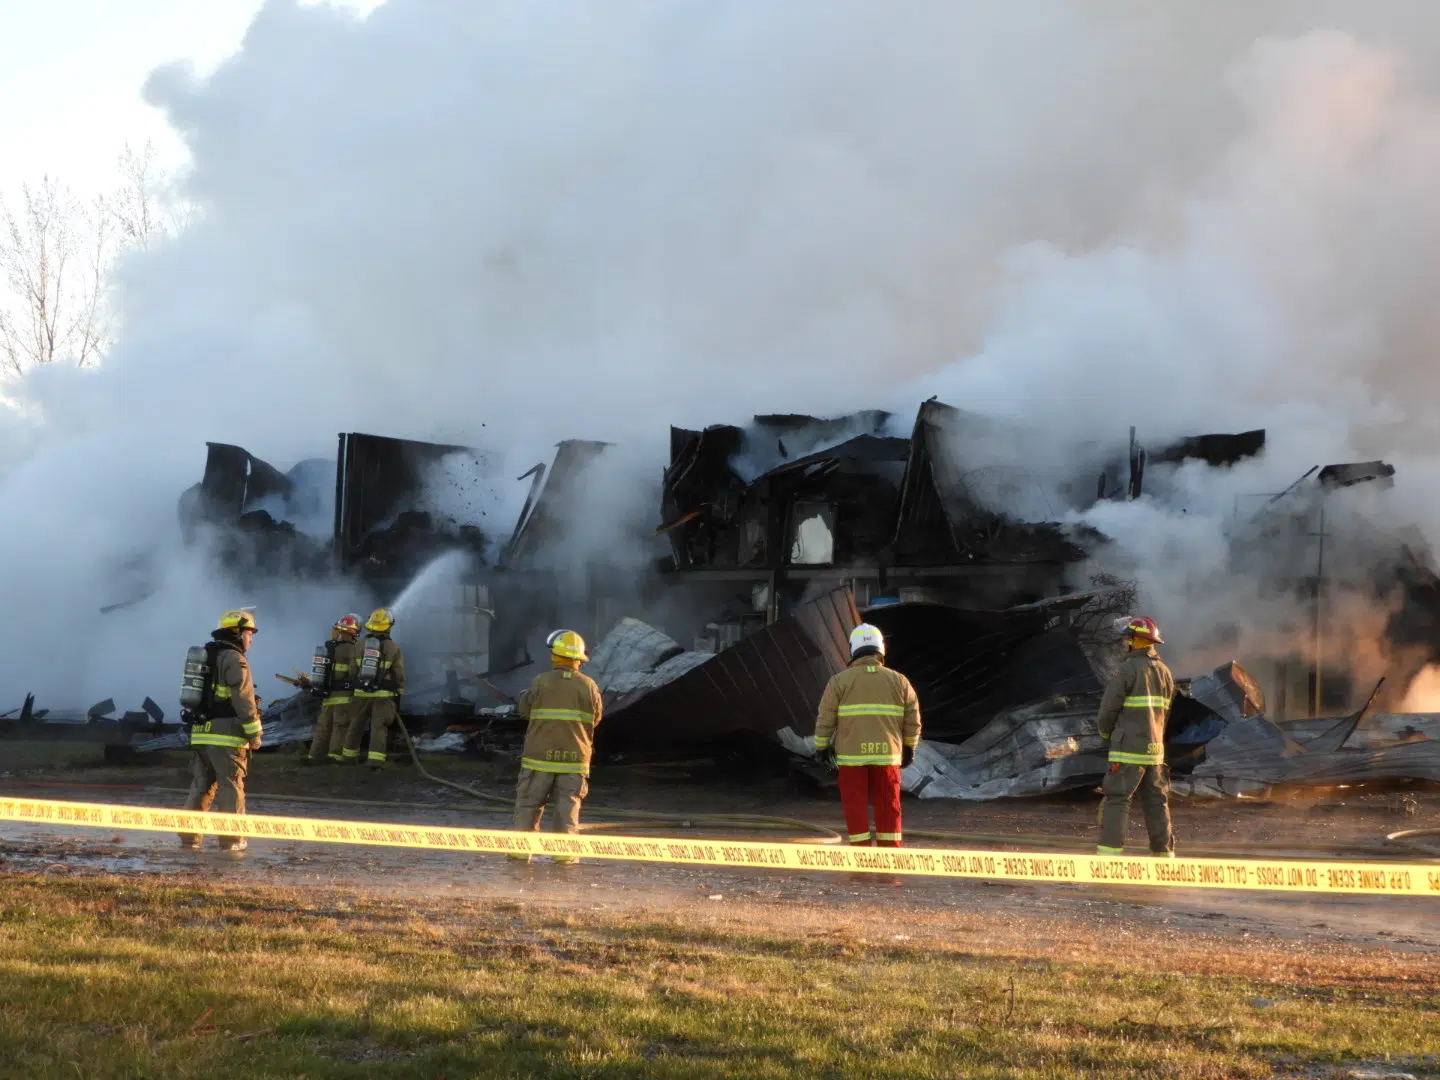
[{"x": 866, "y": 636}]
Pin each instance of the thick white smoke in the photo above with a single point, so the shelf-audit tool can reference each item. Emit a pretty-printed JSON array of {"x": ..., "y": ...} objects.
[
  {"x": 561, "y": 219},
  {"x": 1281, "y": 287}
]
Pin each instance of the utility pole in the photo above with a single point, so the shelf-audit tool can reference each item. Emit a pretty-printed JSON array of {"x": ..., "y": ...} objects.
[{"x": 1319, "y": 623}]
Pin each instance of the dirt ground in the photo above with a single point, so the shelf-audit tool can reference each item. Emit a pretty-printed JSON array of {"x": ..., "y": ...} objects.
[{"x": 1339, "y": 822}]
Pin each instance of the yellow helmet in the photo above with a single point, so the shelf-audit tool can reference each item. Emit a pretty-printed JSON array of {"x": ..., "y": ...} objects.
[
  {"x": 567, "y": 645},
  {"x": 380, "y": 621},
  {"x": 237, "y": 619}
]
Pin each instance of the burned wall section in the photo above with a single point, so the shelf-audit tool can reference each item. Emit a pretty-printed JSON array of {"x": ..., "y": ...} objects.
[
  {"x": 704, "y": 509},
  {"x": 381, "y": 532},
  {"x": 881, "y": 512}
]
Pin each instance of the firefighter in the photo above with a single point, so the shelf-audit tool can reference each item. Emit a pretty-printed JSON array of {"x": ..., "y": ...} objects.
[
  {"x": 870, "y": 718},
  {"x": 378, "y": 685},
  {"x": 1132, "y": 720},
  {"x": 562, "y": 707},
  {"x": 337, "y": 708},
  {"x": 230, "y": 730}
]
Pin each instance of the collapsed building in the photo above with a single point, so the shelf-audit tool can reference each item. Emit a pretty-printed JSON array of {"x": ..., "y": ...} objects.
[
  {"x": 982, "y": 609},
  {"x": 774, "y": 540}
]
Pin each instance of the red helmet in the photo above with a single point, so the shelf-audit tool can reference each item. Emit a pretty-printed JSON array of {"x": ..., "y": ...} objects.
[
  {"x": 1141, "y": 627},
  {"x": 348, "y": 624}
]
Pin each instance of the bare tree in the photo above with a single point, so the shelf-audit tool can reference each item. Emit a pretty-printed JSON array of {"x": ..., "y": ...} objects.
[
  {"x": 1096, "y": 623},
  {"x": 53, "y": 255},
  {"x": 56, "y": 253},
  {"x": 143, "y": 207}
]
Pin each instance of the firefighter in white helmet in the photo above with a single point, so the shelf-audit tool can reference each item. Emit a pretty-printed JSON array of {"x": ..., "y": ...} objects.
[
  {"x": 1132, "y": 720},
  {"x": 562, "y": 707},
  {"x": 870, "y": 716}
]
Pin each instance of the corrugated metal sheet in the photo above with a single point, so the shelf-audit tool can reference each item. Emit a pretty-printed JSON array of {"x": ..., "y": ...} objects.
[{"x": 770, "y": 680}]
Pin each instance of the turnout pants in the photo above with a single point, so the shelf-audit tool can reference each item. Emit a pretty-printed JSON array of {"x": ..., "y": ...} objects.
[
  {"x": 380, "y": 715},
  {"x": 217, "y": 776},
  {"x": 864, "y": 785},
  {"x": 1121, "y": 782},
  {"x": 331, "y": 730},
  {"x": 564, "y": 791}
]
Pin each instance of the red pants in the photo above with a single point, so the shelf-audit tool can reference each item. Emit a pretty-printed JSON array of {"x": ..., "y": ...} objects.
[{"x": 861, "y": 785}]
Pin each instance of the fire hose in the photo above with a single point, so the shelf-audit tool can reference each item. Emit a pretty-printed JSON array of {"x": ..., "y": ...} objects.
[
  {"x": 815, "y": 833},
  {"x": 830, "y": 836},
  {"x": 1409, "y": 838}
]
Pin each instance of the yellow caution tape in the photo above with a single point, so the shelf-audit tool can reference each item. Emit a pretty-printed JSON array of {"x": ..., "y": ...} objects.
[{"x": 1279, "y": 875}]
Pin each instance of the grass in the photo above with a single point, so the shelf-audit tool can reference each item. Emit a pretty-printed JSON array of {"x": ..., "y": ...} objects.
[{"x": 107, "y": 978}]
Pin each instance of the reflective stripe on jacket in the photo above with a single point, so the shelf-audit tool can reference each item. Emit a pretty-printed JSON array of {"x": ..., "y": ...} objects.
[
  {"x": 1135, "y": 707},
  {"x": 562, "y": 707},
  {"x": 392, "y": 667},
  {"x": 234, "y": 717},
  {"x": 868, "y": 713},
  {"x": 344, "y": 667}
]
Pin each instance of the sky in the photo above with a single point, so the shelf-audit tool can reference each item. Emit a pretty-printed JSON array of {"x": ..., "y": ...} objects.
[{"x": 71, "y": 73}]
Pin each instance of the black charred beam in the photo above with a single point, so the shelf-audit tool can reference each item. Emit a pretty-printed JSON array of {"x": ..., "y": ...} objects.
[
  {"x": 1360, "y": 472},
  {"x": 1217, "y": 451}
]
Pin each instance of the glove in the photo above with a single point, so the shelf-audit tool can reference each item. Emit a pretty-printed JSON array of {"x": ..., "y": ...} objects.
[
  {"x": 254, "y": 744},
  {"x": 907, "y": 757}
]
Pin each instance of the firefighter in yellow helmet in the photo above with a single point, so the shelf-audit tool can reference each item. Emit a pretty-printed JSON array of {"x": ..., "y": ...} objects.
[
  {"x": 228, "y": 728},
  {"x": 562, "y": 707},
  {"x": 334, "y": 681},
  {"x": 870, "y": 716},
  {"x": 1132, "y": 720},
  {"x": 378, "y": 685}
]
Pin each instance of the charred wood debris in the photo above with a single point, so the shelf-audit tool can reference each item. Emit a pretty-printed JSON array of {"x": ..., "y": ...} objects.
[{"x": 779, "y": 537}]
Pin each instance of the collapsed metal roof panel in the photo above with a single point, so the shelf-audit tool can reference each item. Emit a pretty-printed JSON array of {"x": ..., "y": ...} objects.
[
  {"x": 1258, "y": 751},
  {"x": 769, "y": 681},
  {"x": 1033, "y": 749}
]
